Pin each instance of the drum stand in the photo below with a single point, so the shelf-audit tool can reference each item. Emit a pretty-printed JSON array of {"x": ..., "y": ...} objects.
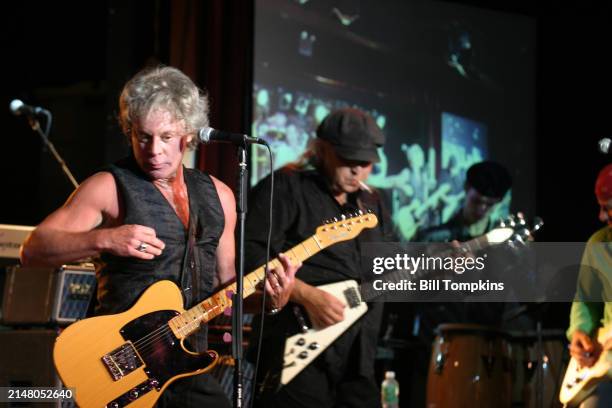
[
  {"x": 536, "y": 311},
  {"x": 540, "y": 365}
]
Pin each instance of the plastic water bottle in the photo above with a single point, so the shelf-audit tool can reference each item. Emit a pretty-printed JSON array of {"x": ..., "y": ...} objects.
[{"x": 390, "y": 391}]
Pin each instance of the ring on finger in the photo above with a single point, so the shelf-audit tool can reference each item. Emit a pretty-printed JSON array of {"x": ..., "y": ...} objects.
[{"x": 142, "y": 247}]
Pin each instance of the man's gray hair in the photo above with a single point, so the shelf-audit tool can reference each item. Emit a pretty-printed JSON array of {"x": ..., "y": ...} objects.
[{"x": 164, "y": 88}]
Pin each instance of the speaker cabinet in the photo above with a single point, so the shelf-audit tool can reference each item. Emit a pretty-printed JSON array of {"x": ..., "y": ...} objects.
[
  {"x": 47, "y": 295},
  {"x": 26, "y": 360}
]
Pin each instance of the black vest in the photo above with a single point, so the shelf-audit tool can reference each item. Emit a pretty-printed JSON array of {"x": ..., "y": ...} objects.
[{"x": 189, "y": 258}]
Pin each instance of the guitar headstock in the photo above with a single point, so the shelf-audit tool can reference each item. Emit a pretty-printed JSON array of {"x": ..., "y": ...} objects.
[
  {"x": 345, "y": 228},
  {"x": 522, "y": 231}
]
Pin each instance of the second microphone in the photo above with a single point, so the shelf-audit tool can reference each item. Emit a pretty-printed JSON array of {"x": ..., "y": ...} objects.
[{"x": 208, "y": 134}]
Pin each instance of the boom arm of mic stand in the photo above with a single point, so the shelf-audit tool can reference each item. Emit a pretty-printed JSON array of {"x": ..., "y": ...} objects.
[{"x": 35, "y": 125}]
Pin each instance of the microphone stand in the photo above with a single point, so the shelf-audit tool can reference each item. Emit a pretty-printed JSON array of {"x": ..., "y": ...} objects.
[
  {"x": 237, "y": 300},
  {"x": 35, "y": 125}
]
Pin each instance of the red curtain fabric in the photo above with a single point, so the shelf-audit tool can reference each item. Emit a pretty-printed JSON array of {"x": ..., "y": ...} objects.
[{"x": 212, "y": 42}]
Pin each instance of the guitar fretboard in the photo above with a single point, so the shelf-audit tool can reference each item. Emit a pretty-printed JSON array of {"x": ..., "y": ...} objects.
[{"x": 189, "y": 321}]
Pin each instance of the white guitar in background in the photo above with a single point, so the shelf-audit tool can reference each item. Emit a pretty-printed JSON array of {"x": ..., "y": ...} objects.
[
  {"x": 580, "y": 382},
  {"x": 308, "y": 343}
]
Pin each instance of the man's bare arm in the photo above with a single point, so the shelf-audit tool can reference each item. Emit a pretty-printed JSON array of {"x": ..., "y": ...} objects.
[{"x": 83, "y": 227}]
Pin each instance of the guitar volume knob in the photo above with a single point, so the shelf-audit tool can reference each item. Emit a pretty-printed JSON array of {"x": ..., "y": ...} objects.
[
  {"x": 303, "y": 355},
  {"x": 301, "y": 341},
  {"x": 314, "y": 345}
]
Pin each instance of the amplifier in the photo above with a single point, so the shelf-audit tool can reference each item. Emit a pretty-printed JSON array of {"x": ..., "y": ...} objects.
[
  {"x": 47, "y": 295},
  {"x": 27, "y": 361}
]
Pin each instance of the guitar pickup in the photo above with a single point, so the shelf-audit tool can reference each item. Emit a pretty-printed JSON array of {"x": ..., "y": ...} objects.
[
  {"x": 352, "y": 297},
  {"x": 122, "y": 361}
]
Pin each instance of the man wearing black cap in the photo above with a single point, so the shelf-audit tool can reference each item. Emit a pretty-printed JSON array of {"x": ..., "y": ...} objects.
[
  {"x": 486, "y": 185},
  {"x": 327, "y": 181}
]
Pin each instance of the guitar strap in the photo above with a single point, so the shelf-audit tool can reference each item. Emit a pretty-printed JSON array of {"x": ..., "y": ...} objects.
[{"x": 191, "y": 261}]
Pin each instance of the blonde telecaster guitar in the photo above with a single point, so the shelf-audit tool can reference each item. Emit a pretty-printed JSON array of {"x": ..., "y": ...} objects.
[
  {"x": 580, "y": 382},
  {"x": 130, "y": 358}
]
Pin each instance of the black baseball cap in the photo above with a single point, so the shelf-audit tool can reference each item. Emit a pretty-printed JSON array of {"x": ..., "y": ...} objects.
[
  {"x": 489, "y": 178},
  {"x": 353, "y": 134}
]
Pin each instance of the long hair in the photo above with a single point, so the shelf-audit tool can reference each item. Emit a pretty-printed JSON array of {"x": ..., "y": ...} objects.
[{"x": 317, "y": 151}]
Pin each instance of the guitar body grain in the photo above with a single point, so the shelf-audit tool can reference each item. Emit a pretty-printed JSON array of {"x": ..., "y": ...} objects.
[{"x": 79, "y": 350}]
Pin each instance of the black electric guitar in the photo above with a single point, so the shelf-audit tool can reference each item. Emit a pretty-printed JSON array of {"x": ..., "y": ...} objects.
[{"x": 130, "y": 358}]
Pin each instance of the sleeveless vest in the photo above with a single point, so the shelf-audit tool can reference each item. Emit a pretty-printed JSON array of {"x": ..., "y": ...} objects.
[{"x": 189, "y": 257}]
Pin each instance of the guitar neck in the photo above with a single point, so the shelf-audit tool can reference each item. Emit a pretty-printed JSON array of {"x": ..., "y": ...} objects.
[
  {"x": 189, "y": 321},
  {"x": 476, "y": 244},
  {"x": 471, "y": 246}
]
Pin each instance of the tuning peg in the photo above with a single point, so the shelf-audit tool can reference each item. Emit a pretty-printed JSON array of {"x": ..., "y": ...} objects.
[
  {"x": 502, "y": 224},
  {"x": 518, "y": 238},
  {"x": 343, "y": 217},
  {"x": 511, "y": 221},
  {"x": 538, "y": 222},
  {"x": 360, "y": 212},
  {"x": 525, "y": 234},
  {"x": 521, "y": 218}
]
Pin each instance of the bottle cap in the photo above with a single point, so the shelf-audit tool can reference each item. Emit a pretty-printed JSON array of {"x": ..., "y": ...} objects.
[{"x": 389, "y": 374}]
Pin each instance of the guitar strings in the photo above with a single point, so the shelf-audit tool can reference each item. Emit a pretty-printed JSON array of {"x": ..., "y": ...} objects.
[{"x": 144, "y": 344}]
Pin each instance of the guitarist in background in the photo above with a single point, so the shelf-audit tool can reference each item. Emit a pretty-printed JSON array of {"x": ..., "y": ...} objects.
[
  {"x": 150, "y": 219},
  {"x": 594, "y": 289},
  {"x": 326, "y": 182},
  {"x": 486, "y": 184}
]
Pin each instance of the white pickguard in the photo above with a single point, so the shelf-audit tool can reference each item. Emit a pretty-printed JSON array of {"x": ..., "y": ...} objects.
[{"x": 302, "y": 348}]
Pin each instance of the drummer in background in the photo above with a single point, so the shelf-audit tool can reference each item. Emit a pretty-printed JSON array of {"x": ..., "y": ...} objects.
[{"x": 594, "y": 291}]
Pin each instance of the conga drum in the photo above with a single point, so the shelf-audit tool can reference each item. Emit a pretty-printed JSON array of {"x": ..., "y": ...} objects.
[{"x": 469, "y": 367}]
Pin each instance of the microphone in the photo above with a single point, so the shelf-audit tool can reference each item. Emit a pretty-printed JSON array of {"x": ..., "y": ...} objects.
[
  {"x": 17, "y": 107},
  {"x": 604, "y": 145},
  {"x": 208, "y": 134}
]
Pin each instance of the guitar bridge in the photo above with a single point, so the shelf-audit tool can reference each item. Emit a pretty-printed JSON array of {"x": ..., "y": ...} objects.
[{"x": 122, "y": 361}]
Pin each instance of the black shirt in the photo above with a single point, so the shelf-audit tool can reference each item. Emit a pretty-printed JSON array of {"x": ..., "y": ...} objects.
[{"x": 302, "y": 202}]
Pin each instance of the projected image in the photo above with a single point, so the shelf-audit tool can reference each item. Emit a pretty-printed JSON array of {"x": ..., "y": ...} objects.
[
  {"x": 437, "y": 78},
  {"x": 288, "y": 120},
  {"x": 464, "y": 142},
  {"x": 417, "y": 191}
]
